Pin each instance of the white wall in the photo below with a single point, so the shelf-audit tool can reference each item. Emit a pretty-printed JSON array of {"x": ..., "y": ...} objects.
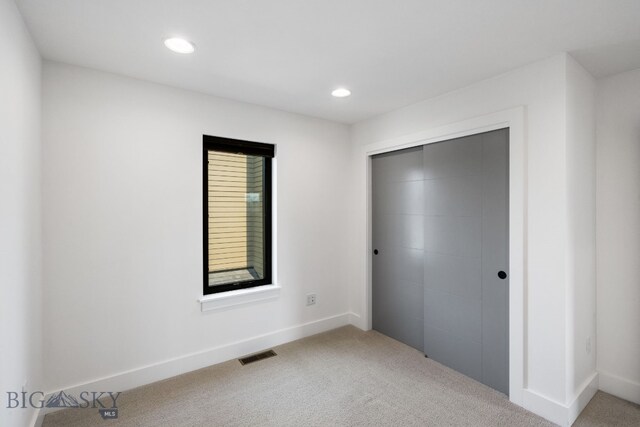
[
  {"x": 542, "y": 89},
  {"x": 618, "y": 234},
  {"x": 123, "y": 224},
  {"x": 20, "y": 225},
  {"x": 581, "y": 223}
]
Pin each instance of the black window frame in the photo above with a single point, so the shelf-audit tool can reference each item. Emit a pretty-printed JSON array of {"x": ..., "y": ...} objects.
[{"x": 249, "y": 148}]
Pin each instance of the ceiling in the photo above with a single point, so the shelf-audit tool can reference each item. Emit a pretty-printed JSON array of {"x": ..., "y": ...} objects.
[{"x": 290, "y": 54}]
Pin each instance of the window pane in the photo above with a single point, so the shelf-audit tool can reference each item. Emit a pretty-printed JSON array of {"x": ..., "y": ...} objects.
[{"x": 236, "y": 218}]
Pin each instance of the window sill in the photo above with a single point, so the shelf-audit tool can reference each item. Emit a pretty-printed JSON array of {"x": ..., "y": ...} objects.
[{"x": 225, "y": 300}]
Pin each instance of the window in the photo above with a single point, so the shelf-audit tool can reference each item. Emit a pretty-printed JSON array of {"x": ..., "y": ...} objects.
[{"x": 237, "y": 214}]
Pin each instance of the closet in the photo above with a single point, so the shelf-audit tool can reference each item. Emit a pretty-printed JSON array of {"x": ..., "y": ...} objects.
[{"x": 440, "y": 237}]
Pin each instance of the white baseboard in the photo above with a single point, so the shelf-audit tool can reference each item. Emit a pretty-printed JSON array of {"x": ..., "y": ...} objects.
[
  {"x": 356, "y": 320},
  {"x": 547, "y": 408},
  {"x": 620, "y": 387},
  {"x": 588, "y": 389},
  {"x": 37, "y": 419},
  {"x": 159, "y": 371},
  {"x": 557, "y": 412}
]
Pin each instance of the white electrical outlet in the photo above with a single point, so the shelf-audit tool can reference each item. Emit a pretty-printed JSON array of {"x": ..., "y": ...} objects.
[
  {"x": 311, "y": 299},
  {"x": 588, "y": 345}
]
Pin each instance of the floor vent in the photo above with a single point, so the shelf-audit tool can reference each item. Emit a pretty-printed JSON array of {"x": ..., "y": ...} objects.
[{"x": 258, "y": 356}]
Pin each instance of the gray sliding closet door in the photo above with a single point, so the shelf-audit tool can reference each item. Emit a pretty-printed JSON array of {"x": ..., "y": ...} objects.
[
  {"x": 398, "y": 260},
  {"x": 466, "y": 302},
  {"x": 441, "y": 248}
]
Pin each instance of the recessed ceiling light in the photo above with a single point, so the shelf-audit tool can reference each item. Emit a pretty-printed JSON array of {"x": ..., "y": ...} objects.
[
  {"x": 179, "y": 45},
  {"x": 341, "y": 92}
]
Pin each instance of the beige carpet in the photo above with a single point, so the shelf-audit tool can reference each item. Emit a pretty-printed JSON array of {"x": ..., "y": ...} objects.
[
  {"x": 607, "y": 410},
  {"x": 344, "y": 377}
]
